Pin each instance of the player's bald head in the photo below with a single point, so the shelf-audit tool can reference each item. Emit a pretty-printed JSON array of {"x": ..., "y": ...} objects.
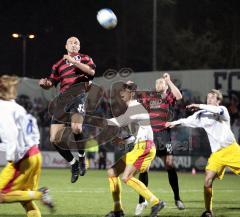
[
  {"x": 72, "y": 45},
  {"x": 73, "y": 39}
]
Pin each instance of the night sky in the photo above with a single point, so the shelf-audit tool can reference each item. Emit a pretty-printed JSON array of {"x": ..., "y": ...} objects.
[{"x": 54, "y": 21}]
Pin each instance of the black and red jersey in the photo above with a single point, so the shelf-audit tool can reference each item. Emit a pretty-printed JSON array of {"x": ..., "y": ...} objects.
[
  {"x": 160, "y": 108},
  {"x": 68, "y": 74}
]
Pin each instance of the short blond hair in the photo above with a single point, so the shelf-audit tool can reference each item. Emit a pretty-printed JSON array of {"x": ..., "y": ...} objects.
[
  {"x": 218, "y": 93},
  {"x": 8, "y": 87}
]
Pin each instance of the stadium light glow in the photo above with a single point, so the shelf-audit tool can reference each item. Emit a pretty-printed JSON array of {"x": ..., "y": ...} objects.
[
  {"x": 16, "y": 35},
  {"x": 31, "y": 36},
  {"x": 24, "y": 38}
]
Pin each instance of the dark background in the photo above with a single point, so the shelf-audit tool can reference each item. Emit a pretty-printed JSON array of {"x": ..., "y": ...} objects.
[{"x": 191, "y": 34}]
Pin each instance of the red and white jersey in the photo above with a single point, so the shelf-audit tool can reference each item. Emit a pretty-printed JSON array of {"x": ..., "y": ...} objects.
[
  {"x": 159, "y": 107},
  {"x": 18, "y": 131},
  {"x": 68, "y": 74}
]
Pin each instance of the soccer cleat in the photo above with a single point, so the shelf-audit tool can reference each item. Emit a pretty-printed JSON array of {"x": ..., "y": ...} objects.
[
  {"x": 140, "y": 207},
  {"x": 207, "y": 214},
  {"x": 179, "y": 204},
  {"x": 46, "y": 198},
  {"x": 75, "y": 171},
  {"x": 115, "y": 214},
  {"x": 82, "y": 166},
  {"x": 156, "y": 208}
]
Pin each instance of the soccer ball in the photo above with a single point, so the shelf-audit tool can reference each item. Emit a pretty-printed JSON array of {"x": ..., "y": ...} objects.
[{"x": 106, "y": 18}]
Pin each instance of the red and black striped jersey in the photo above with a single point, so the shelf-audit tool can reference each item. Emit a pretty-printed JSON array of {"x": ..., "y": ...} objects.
[
  {"x": 68, "y": 74},
  {"x": 160, "y": 108}
]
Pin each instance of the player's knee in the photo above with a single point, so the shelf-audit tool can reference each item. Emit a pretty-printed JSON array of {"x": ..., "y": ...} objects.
[
  {"x": 76, "y": 128},
  {"x": 111, "y": 172},
  {"x": 53, "y": 139},
  {"x": 169, "y": 165},
  {"x": 208, "y": 182},
  {"x": 125, "y": 179}
]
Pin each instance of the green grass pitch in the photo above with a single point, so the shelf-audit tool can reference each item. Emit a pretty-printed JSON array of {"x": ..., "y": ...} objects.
[{"x": 90, "y": 196}]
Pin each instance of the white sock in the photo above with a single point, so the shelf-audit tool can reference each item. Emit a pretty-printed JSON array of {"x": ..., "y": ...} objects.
[
  {"x": 73, "y": 161},
  {"x": 81, "y": 155}
]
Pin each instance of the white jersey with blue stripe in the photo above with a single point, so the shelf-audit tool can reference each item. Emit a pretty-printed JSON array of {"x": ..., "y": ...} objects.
[
  {"x": 18, "y": 130},
  {"x": 215, "y": 120}
]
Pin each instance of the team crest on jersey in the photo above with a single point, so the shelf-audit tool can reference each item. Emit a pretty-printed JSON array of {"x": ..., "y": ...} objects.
[
  {"x": 77, "y": 58},
  {"x": 155, "y": 103}
]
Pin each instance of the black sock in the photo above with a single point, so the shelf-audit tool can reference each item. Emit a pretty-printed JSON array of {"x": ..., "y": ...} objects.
[
  {"x": 173, "y": 181},
  {"x": 65, "y": 153},
  {"x": 143, "y": 177},
  {"x": 78, "y": 137}
]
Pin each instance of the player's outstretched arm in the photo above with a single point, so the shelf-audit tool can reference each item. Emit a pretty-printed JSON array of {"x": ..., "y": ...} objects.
[
  {"x": 169, "y": 125},
  {"x": 191, "y": 121},
  {"x": 176, "y": 92},
  {"x": 45, "y": 83},
  {"x": 193, "y": 107}
]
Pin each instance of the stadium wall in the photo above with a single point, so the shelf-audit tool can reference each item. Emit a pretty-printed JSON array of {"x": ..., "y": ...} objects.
[{"x": 198, "y": 82}]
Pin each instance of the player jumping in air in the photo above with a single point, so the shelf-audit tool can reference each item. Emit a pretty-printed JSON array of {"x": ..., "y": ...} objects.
[{"x": 74, "y": 72}]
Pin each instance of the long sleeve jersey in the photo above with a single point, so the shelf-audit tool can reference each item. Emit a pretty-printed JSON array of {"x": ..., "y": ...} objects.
[{"x": 215, "y": 120}]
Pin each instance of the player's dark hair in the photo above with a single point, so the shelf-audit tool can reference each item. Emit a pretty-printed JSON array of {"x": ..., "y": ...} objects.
[{"x": 130, "y": 86}]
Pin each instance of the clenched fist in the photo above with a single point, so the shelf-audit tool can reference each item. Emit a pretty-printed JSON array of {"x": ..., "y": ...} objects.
[
  {"x": 166, "y": 77},
  {"x": 45, "y": 83}
]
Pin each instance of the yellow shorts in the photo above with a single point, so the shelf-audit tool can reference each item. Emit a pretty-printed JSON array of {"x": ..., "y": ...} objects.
[
  {"x": 141, "y": 156},
  {"x": 23, "y": 175},
  {"x": 226, "y": 157}
]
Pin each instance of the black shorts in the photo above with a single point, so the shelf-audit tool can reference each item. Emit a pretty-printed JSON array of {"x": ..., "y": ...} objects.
[
  {"x": 66, "y": 104},
  {"x": 162, "y": 140}
]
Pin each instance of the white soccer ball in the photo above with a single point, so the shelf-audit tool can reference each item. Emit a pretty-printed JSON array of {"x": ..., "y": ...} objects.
[{"x": 106, "y": 18}]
